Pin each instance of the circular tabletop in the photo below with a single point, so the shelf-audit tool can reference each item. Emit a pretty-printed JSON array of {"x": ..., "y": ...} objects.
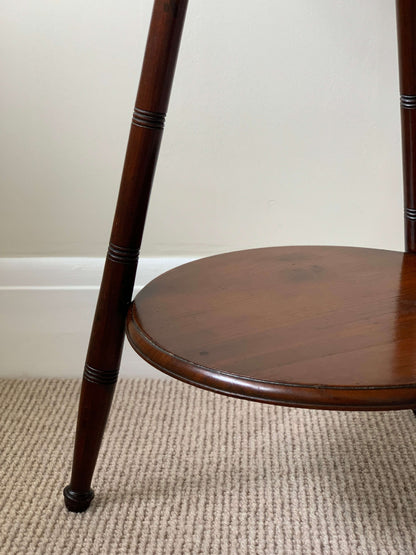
[{"x": 333, "y": 327}]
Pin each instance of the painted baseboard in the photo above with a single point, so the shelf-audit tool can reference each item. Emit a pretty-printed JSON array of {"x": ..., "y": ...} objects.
[{"x": 46, "y": 311}]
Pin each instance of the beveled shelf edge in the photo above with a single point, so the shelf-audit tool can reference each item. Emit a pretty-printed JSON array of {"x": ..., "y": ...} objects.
[{"x": 309, "y": 396}]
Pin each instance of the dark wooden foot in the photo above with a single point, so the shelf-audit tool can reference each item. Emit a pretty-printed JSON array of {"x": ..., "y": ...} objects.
[
  {"x": 77, "y": 502},
  {"x": 414, "y": 411}
]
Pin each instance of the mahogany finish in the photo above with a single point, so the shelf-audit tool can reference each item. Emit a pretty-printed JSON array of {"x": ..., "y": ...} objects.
[
  {"x": 322, "y": 327},
  {"x": 406, "y": 31},
  {"x": 107, "y": 336},
  {"x": 319, "y": 327}
]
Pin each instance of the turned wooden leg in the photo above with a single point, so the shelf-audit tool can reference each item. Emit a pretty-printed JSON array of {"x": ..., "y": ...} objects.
[
  {"x": 101, "y": 372},
  {"x": 94, "y": 406},
  {"x": 107, "y": 336}
]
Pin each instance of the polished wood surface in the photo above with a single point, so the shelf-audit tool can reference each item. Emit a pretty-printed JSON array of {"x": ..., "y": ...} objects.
[
  {"x": 329, "y": 327},
  {"x": 107, "y": 335}
]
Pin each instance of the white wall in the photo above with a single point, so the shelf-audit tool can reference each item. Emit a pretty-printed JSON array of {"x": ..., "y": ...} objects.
[
  {"x": 283, "y": 126},
  {"x": 46, "y": 310}
]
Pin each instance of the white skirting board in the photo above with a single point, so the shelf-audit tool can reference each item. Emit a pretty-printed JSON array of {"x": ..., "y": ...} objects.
[{"x": 46, "y": 311}]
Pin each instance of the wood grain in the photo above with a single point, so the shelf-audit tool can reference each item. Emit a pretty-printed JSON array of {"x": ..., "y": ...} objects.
[{"x": 330, "y": 327}]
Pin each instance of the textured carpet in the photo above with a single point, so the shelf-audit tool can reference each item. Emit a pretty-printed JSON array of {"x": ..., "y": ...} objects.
[{"x": 184, "y": 471}]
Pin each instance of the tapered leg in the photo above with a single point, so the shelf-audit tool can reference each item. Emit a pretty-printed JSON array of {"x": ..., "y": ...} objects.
[
  {"x": 94, "y": 406},
  {"x": 107, "y": 336},
  {"x": 100, "y": 373}
]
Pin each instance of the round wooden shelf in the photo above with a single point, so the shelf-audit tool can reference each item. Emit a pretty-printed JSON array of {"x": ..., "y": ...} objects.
[{"x": 321, "y": 327}]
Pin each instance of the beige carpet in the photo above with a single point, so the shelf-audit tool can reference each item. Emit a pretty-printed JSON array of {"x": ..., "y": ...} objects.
[{"x": 183, "y": 471}]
